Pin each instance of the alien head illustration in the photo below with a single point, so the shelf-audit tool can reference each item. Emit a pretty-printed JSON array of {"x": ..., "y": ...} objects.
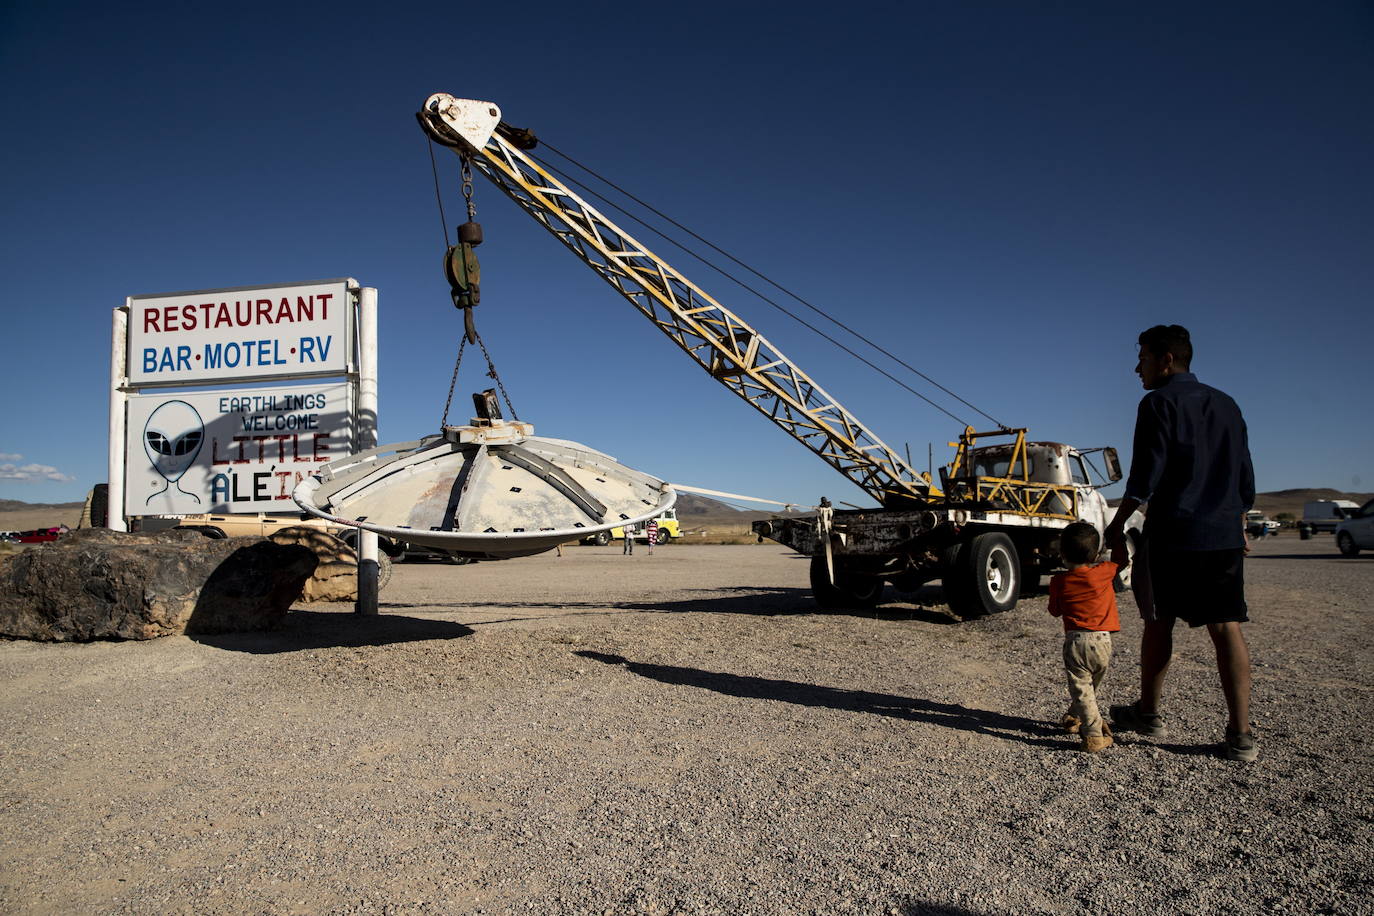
[{"x": 172, "y": 438}]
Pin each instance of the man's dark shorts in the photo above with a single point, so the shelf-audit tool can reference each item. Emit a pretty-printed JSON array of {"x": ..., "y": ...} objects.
[{"x": 1198, "y": 586}]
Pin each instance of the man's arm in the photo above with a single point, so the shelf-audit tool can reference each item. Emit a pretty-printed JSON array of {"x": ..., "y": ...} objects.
[
  {"x": 1247, "y": 470},
  {"x": 1115, "y": 535}
]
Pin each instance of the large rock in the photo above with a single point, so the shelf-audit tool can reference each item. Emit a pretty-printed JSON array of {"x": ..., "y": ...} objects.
[
  {"x": 101, "y": 584},
  {"x": 336, "y": 577}
]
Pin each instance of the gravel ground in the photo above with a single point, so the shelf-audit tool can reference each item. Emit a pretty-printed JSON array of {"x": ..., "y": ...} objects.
[{"x": 682, "y": 734}]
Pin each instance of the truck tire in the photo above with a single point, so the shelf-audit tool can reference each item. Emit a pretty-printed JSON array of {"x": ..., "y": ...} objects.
[
  {"x": 384, "y": 564},
  {"x": 1347, "y": 544},
  {"x": 955, "y": 582},
  {"x": 663, "y": 537},
  {"x": 847, "y": 592},
  {"x": 210, "y": 532},
  {"x": 1305, "y": 532},
  {"x": 601, "y": 538},
  {"x": 993, "y": 571}
]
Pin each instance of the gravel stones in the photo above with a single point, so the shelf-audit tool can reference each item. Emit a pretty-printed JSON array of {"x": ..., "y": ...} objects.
[{"x": 682, "y": 734}]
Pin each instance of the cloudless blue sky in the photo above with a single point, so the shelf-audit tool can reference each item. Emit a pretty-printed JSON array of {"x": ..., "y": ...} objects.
[{"x": 1003, "y": 194}]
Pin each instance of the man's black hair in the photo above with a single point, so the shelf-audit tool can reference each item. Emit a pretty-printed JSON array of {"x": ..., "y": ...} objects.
[
  {"x": 1169, "y": 338},
  {"x": 1079, "y": 543}
]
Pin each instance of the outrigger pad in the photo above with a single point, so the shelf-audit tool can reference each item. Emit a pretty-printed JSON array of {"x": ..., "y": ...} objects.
[{"x": 492, "y": 491}]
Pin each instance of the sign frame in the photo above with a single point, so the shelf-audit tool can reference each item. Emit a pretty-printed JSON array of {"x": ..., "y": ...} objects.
[{"x": 197, "y": 324}]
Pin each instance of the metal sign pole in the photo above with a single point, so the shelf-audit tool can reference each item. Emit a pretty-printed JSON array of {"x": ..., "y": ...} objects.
[
  {"x": 367, "y": 438},
  {"x": 114, "y": 466}
]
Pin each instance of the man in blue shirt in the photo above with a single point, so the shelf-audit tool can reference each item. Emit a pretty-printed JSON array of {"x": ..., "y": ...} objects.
[{"x": 1191, "y": 464}]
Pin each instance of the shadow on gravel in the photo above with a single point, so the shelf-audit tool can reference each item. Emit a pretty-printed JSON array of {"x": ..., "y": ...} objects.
[
  {"x": 921, "y": 908},
  {"x": 948, "y": 715},
  {"x": 1332, "y": 557},
  {"x": 773, "y": 602},
  {"x": 315, "y": 630}
]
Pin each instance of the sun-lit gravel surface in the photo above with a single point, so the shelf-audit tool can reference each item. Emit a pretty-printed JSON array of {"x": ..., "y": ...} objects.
[{"x": 682, "y": 734}]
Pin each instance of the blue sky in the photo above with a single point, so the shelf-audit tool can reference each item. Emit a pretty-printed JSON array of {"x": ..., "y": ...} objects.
[{"x": 1004, "y": 196}]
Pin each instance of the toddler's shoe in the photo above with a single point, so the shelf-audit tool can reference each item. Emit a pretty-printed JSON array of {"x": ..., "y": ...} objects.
[{"x": 1093, "y": 744}]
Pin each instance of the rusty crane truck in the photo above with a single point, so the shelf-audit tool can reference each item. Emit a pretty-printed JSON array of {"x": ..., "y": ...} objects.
[{"x": 990, "y": 524}]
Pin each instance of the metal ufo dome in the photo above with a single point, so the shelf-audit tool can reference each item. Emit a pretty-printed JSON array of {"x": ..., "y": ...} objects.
[{"x": 493, "y": 491}]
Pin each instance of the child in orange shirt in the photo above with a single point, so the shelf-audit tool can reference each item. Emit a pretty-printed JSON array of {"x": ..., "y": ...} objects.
[{"x": 1084, "y": 597}]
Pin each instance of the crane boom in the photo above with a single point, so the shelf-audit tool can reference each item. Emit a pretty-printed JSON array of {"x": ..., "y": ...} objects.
[{"x": 718, "y": 340}]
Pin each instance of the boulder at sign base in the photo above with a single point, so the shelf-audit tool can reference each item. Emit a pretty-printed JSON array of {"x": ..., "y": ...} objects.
[{"x": 100, "y": 584}]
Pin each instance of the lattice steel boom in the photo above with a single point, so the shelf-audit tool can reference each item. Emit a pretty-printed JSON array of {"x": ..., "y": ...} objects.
[{"x": 719, "y": 341}]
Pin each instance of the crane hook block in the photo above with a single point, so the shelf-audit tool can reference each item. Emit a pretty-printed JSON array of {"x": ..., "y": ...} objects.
[
  {"x": 464, "y": 275},
  {"x": 470, "y": 233}
]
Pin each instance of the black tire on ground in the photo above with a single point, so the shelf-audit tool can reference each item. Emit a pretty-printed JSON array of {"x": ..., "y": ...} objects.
[
  {"x": 1304, "y": 533},
  {"x": 601, "y": 538},
  {"x": 384, "y": 564},
  {"x": 993, "y": 569},
  {"x": 1347, "y": 544},
  {"x": 663, "y": 537},
  {"x": 209, "y": 532},
  {"x": 954, "y": 581},
  {"x": 847, "y": 592}
]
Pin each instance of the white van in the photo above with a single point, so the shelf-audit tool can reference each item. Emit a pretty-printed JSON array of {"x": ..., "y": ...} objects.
[{"x": 1323, "y": 515}]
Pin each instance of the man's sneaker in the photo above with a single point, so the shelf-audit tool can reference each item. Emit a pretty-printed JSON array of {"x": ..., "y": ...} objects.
[
  {"x": 1092, "y": 744},
  {"x": 1240, "y": 746},
  {"x": 1131, "y": 719}
]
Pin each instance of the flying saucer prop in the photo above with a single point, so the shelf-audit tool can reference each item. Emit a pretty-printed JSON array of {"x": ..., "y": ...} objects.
[{"x": 489, "y": 491}]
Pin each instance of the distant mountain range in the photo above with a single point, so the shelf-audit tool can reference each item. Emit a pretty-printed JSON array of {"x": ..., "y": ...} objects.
[{"x": 15, "y": 505}]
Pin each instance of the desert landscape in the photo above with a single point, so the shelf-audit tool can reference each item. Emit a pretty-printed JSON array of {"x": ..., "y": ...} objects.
[{"x": 683, "y": 733}]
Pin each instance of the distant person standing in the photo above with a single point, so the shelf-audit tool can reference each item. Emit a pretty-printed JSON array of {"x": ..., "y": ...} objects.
[
  {"x": 629, "y": 539},
  {"x": 1191, "y": 464},
  {"x": 651, "y": 534}
]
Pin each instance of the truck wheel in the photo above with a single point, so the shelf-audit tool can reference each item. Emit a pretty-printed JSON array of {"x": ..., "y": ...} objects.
[
  {"x": 847, "y": 592},
  {"x": 384, "y": 564},
  {"x": 601, "y": 538},
  {"x": 1305, "y": 532},
  {"x": 994, "y": 573},
  {"x": 1347, "y": 544},
  {"x": 663, "y": 537},
  {"x": 213, "y": 533},
  {"x": 955, "y": 582}
]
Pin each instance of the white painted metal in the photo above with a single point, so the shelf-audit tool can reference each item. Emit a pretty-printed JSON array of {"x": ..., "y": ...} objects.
[
  {"x": 254, "y": 446},
  {"x": 367, "y": 439},
  {"x": 494, "y": 491},
  {"x": 204, "y": 337},
  {"x": 473, "y": 120},
  {"x": 114, "y": 462}
]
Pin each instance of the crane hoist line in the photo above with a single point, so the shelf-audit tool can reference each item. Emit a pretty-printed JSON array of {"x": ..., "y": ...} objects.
[{"x": 993, "y": 520}]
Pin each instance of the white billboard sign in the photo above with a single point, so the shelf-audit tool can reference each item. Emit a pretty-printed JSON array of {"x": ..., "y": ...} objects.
[
  {"x": 231, "y": 451},
  {"x": 211, "y": 336}
]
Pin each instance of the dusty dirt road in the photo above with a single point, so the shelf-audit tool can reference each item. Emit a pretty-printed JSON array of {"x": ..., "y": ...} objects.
[{"x": 682, "y": 734}]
